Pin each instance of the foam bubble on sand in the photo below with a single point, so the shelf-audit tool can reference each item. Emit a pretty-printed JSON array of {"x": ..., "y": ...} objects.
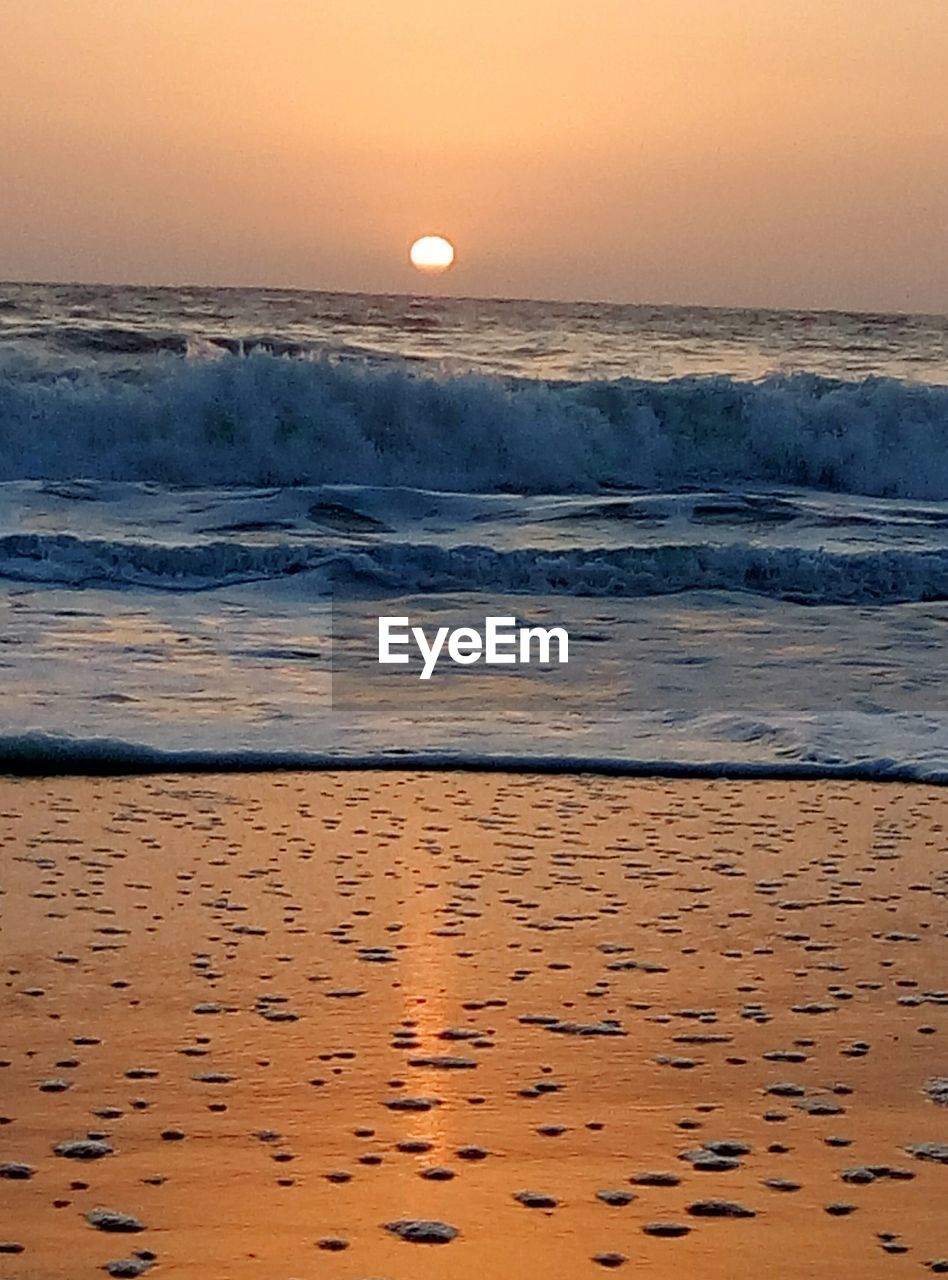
[{"x": 507, "y": 1088}]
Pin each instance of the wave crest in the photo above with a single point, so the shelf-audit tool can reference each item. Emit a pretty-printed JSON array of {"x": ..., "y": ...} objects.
[
  {"x": 266, "y": 419},
  {"x": 787, "y": 573}
]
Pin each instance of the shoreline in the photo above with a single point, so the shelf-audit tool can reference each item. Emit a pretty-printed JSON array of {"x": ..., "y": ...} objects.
[{"x": 35, "y": 756}]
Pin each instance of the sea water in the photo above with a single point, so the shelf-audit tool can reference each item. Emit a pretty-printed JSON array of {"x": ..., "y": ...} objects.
[{"x": 740, "y": 517}]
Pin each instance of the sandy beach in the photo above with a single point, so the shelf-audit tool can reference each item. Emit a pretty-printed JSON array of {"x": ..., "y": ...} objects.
[{"x": 270, "y": 1024}]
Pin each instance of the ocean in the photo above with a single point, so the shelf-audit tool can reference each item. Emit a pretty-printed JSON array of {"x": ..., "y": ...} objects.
[{"x": 208, "y": 495}]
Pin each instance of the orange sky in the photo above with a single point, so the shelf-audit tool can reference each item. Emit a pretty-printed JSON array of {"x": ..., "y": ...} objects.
[{"x": 751, "y": 152}]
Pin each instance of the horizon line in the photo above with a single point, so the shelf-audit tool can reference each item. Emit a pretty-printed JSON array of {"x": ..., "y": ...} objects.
[{"x": 492, "y": 298}]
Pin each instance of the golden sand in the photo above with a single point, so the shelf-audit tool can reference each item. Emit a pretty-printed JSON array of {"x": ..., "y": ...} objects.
[{"x": 281, "y": 1002}]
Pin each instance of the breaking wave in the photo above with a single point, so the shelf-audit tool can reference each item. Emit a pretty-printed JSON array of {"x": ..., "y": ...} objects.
[
  {"x": 264, "y": 419},
  {"x": 787, "y": 573}
]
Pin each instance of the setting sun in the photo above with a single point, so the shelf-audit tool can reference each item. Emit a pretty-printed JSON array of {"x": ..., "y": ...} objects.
[{"x": 432, "y": 254}]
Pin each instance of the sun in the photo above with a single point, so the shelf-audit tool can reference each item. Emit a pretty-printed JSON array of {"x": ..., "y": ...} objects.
[{"x": 432, "y": 254}]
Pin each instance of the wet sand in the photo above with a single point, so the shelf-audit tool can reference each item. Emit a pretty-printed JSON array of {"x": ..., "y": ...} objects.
[{"x": 585, "y": 1024}]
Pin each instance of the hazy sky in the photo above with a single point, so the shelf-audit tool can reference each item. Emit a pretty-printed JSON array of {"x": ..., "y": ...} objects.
[{"x": 755, "y": 152}]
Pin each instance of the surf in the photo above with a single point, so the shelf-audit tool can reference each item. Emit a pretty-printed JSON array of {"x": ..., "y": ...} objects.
[{"x": 264, "y": 419}]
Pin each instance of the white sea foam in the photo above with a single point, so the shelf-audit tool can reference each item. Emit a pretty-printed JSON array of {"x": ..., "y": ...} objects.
[{"x": 264, "y": 419}]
